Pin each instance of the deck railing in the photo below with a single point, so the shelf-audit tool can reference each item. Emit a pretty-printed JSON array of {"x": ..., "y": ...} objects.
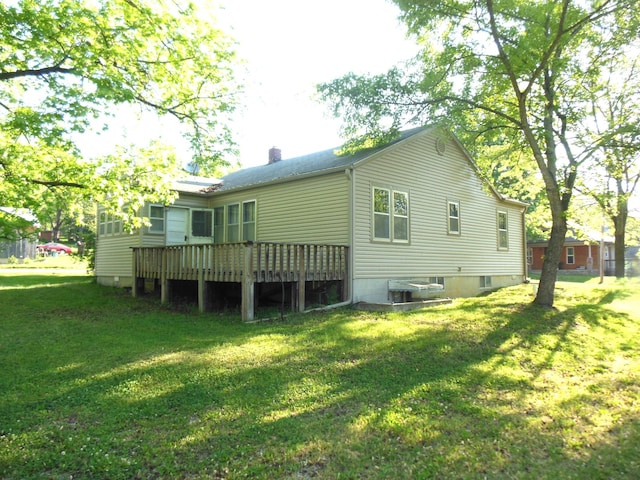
[{"x": 246, "y": 263}]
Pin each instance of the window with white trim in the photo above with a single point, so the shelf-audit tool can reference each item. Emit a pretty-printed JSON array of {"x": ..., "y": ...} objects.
[
  {"x": 156, "y": 218},
  {"x": 485, "y": 282},
  {"x": 503, "y": 230},
  {"x": 249, "y": 220},
  {"x": 233, "y": 222},
  {"x": 102, "y": 221},
  {"x": 218, "y": 225},
  {"x": 109, "y": 224},
  {"x": 454, "y": 217},
  {"x": 437, "y": 280},
  {"x": 571, "y": 255},
  {"x": 390, "y": 215},
  {"x": 201, "y": 223}
]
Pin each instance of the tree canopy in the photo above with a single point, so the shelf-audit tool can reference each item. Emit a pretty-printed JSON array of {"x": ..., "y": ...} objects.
[
  {"x": 66, "y": 65},
  {"x": 506, "y": 74}
]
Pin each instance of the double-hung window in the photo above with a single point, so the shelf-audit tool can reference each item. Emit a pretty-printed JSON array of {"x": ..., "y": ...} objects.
[
  {"x": 156, "y": 218},
  {"x": 454, "y": 218},
  {"x": 571, "y": 255},
  {"x": 218, "y": 225},
  {"x": 390, "y": 215},
  {"x": 233, "y": 223},
  {"x": 249, "y": 220},
  {"x": 102, "y": 223},
  {"x": 503, "y": 230}
]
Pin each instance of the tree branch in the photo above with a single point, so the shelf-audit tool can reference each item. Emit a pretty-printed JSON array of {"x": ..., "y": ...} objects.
[
  {"x": 55, "y": 183},
  {"x": 36, "y": 72}
]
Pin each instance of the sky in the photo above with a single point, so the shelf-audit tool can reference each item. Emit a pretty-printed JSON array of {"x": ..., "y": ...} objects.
[
  {"x": 290, "y": 46},
  {"x": 287, "y": 46}
]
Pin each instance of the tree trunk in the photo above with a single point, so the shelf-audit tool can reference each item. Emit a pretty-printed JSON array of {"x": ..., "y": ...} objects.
[
  {"x": 620, "y": 226},
  {"x": 548, "y": 276},
  {"x": 55, "y": 228}
]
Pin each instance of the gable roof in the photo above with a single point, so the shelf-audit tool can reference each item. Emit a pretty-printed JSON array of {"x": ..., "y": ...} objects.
[
  {"x": 318, "y": 163},
  {"x": 315, "y": 163}
]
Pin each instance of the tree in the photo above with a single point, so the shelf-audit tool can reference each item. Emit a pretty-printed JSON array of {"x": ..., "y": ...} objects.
[
  {"x": 64, "y": 64},
  {"x": 495, "y": 69},
  {"x": 613, "y": 132}
]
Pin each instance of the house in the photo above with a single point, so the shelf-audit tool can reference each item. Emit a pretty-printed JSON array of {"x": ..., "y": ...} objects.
[
  {"x": 18, "y": 228},
  {"x": 415, "y": 210},
  {"x": 632, "y": 261},
  {"x": 580, "y": 253}
]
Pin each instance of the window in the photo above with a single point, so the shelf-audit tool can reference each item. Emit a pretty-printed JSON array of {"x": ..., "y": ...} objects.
[
  {"x": 485, "y": 282},
  {"x": 109, "y": 224},
  {"x": 233, "y": 222},
  {"x": 249, "y": 220},
  {"x": 400, "y": 216},
  {"x": 437, "y": 280},
  {"x": 503, "y": 232},
  {"x": 454, "y": 218},
  {"x": 218, "y": 225},
  {"x": 571, "y": 255},
  {"x": 156, "y": 217},
  {"x": 381, "y": 214},
  {"x": 201, "y": 223},
  {"x": 529, "y": 256},
  {"x": 102, "y": 223},
  {"x": 390, "y": 221}
]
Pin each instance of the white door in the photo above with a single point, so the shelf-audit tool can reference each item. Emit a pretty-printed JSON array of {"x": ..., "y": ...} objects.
[{"x": 177, "y": 225}]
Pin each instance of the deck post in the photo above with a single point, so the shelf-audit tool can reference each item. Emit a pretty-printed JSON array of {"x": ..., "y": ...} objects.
[
  {"x": 202, "y": 290},
  {"x": 247, "y": 284},
  {"x": 134, "y": 271},
  {"x": 164, "y": 281},
  {"x": 345, "y": 275},
  {"x": 302, "y": 278}
]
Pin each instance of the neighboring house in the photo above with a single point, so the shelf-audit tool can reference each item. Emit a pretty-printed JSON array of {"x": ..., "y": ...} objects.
[
  {"x": 415, "y": 210},
  {"x": 632, "y": 261},
  {"x": 17, "y": 234},
  {"x": 580, "y": 253}
]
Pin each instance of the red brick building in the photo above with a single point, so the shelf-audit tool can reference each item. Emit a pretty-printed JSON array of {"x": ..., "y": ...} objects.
[{"x": 578, "y": 254}]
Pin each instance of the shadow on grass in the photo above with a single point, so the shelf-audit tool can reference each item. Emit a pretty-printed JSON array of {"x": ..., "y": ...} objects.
[{"x": 446, "y": 393}]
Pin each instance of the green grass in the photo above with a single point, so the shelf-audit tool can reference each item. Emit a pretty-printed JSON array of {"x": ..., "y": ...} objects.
[
  {"x": 96, "y": 384},
  {"x": 64, "y": 262}
]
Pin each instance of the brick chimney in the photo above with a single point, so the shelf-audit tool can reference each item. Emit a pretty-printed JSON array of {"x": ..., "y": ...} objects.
[{"x": 275, "y": 155}]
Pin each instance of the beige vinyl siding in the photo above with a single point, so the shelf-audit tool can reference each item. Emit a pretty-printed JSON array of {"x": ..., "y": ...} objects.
[
  {"x": 432, "y": 180},
  {"x": 191, "y": 201},
  {"x": 113, "y": 252},
  {"x": 312, "y": 210}
]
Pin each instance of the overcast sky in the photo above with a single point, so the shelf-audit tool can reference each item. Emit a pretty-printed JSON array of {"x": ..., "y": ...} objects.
[{"x": 290, "y": 46}]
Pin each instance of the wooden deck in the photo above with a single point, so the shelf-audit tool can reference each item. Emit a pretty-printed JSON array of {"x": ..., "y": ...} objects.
[{"x": 246, "y": 263}]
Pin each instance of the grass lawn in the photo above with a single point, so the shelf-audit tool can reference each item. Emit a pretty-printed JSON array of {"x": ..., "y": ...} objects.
[
  {"x": 59, "y": 262},
  {"x": 96, "y": 384}
]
